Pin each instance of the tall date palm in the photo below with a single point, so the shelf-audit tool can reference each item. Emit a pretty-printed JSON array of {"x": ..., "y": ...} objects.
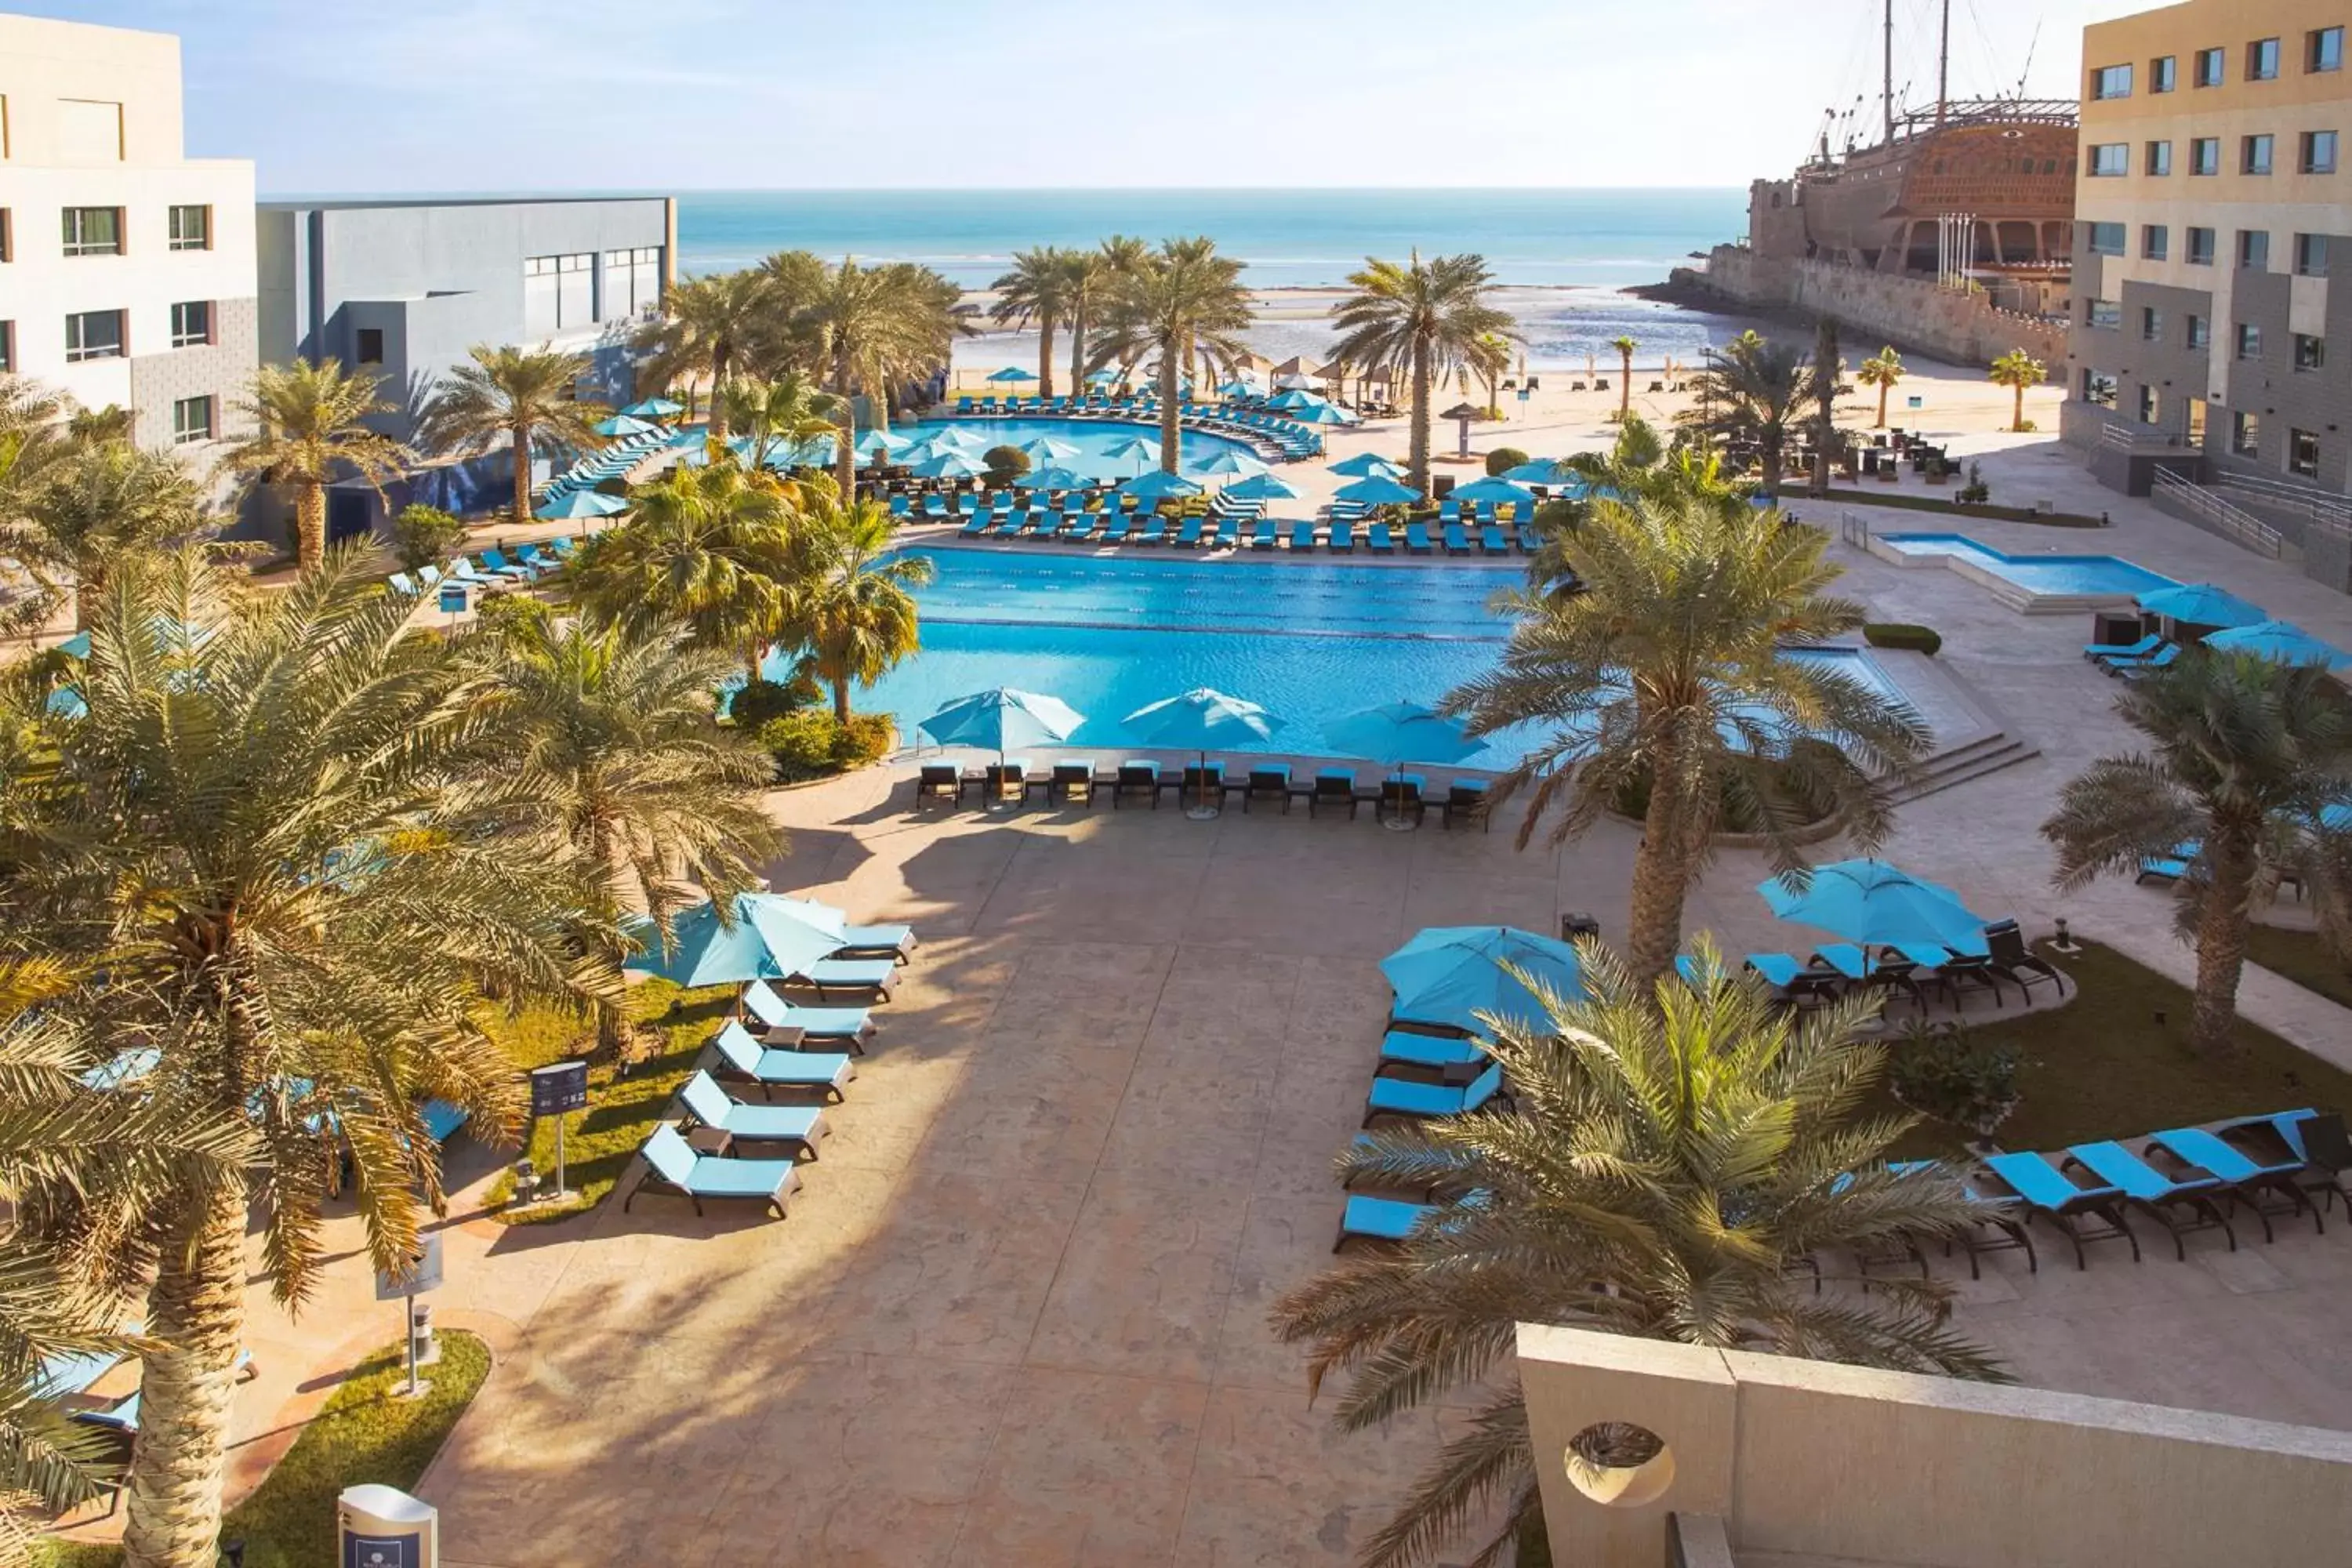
[
  {"x": 1752, "y": 389},
  {"x": 708, "y": 549},
  {"x": 708, "y": 327},
  {"x": 527, "y": 398},
  {"x": 877, "y": 327},
  {"x": 310, "y": 426},
  {"x": 851, "y": 596},
  {"x": 1038, "y": 290},
  {"x": 1424, "y": 319},
  {"x": 1183, "y": 301}
]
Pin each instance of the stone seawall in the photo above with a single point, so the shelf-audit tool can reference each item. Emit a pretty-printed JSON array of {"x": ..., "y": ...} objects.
[{"x": 1910, "y": 312}]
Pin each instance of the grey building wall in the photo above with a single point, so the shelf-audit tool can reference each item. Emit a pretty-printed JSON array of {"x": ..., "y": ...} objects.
[
  {"x": 220, "y": 370},
  {"x": 436, "y": 278}
]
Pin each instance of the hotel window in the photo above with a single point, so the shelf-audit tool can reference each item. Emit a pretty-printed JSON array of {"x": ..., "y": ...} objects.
[
  {"x": 2249, "y": 341},
  {"x": 93, "y": 231},
  {"x": 367, "y": 345},
  {"x": 2207, "y": 68},
  {"x": 2151, "y": 406},
  {"x": 2155, "y": 240},
  {"x": 2205, "y": 155},
  {"x": 2310, "y": 353},
  {"x": 8, "y": 346},
  {"x": 192, "y": 324},
  {"x": 2201, "y": 248},
  {"x": 2302, "y": 454},
  {"x": 2098, "y": 388},
  {"x": 2311, "y": 254},
  {"x": 192, "y": 228},
  {"x": 2109, "y": 159},
  {"x": 2160, "y": 74},
  {"x": 2323, "y": 49},
  {"x": 2151, "y": 323},
  {"x": 2111, "y": 81},
  {"x": 2263, "y": 60},
  {"x": 2200, "y": 333},
  {"x": 2246, "y": 433},
  {"x": 2254, "y": 250},
  {"x": 2107, "y": 238},
  {"x": 2254, "y": 155},
  {"x": 2102, "y": 314},
  {"x": 2159, "y": 158},
  {"x": 192, "y": 420},
  {"x": 632, "y": 283},
  {"x": 2318, "y": 155},
  {"x": 558, "y": 291},
  {"x": 94, "y": 334}
]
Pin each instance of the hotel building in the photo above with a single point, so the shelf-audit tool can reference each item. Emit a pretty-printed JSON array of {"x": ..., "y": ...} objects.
[
  {"x": 2213, "y": 203},
  {"x": 126, "y": 268}
]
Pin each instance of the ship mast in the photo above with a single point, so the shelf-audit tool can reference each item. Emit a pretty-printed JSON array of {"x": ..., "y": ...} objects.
[
  {"x": 1944, "y": 63},
  {"x": 1886, "y": 69}
]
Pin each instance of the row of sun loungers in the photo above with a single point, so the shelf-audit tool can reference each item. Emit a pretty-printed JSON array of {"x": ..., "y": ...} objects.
[
  {"x": 773, "y": 1045},
  {"x": 492, "y": 569},
  {"x": 610, "y": 462},
  {"x": 1911, "y": 970},
  {"x": 1078, "y": 782},
  {"x": 2129, "y": 660},
  {"x": 1286, "y": 438},
  {"x": 1341, "y": 536}
]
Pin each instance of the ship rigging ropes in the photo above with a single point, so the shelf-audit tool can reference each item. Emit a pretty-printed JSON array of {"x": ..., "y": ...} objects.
[{"x": 1990, "y": 58}]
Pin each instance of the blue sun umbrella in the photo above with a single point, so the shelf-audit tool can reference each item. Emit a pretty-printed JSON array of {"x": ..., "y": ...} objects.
[
  {"x": 1871, "y": 902},
  {"x": 1049, "y": 449},
  {"x": 769, "y": 935},
  {"x": 581, "y": 505},
  {"x": 76, "y": 645},
  {"x": 1494, "y": 492},
  {"x": 66, "y": 702},
  {"x": 1106, "y": 376},
  {"x": 881, "y": 444},
  {"x": 1013, "y": 373},
  {"x": 654, "y": 408},
  {"x": 2202, "y": 605},
  {"x": 1262, "y": 487},
  {"x": 621, "y": 425},
  {"x": 1378, "y": 491},
  {"x": 1450, "y": 975},
  {"x": 1231, "y": 461},
  {"x": 1155, "y": 485},
  {"x": 1395, "y": 733},
  {"x": 1293, "y": 398},
  {"x": 1321, "y": 412},
  {"x": 1003, "y": 719},
  {"x": 2282, "y": 641},
  {"x": 1368, "y": 465},
  {"x": 1541, "y": 472},
  {"x": 1199, "y": 719},
  {"x": 1056, "y": 478},
  {"x": 1235, "y": 389},
  {"x": 949, "y": 465}
]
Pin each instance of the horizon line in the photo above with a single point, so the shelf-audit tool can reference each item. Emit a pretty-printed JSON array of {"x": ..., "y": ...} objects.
[{"x": 642, "y": 193}]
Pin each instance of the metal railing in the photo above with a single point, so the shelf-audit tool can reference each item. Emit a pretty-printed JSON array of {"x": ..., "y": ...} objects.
[
  {"x": 2299, "y": 501},
  {"x": 2196, "y": 505},
  {"x": 1853, "y": 528}
]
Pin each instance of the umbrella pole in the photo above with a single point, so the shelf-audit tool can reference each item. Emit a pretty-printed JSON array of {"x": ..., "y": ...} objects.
[{"x": 1200, "y": 810}]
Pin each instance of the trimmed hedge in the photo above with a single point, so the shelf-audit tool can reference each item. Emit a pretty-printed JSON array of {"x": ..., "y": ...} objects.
[
  {"x": 811, "y": 743},
  {"x": 1503, "y": 459},
  {"x": 1903, "y": 635}
]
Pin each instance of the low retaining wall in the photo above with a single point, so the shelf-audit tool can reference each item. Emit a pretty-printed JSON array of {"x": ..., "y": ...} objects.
[{"x": 1910, "y": 312}]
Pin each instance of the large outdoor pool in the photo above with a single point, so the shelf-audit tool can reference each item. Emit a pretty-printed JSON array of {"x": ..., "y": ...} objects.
[
  {"x": 1311, "y": 643},
  {"x": 2067, "y": 575},
  {"x": 1094, "y": 438}
]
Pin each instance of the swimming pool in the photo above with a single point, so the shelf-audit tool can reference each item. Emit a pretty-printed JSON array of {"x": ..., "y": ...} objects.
[
  {"x": 2035, "y": 582},
  {"x": 1311, "y": 643},
  {"x": 1092, "y": 437}
]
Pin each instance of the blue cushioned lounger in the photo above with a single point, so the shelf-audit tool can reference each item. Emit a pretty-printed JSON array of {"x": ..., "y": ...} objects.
[
  {"x": 855, "y": 1025},
  {"x": 2156, "y": 1194},
  {"x": 2245, "y": 1179},
  {"x": 1189, "y": 534},
  {"x": 1416, "y": 537},
  {"x": 1396, "y": 1097},
  {"x": 1116, "y": 533},
  {"x": 741, "y": 1057},
  {"x": 1429, "y": 1051},
  {"x": 2127, "y": 668},
  {"x": 1302, "y": 536},
  {"x": 1155, "y": 531},
  {"x": 892, "y": 941},
  {"x": 2050, "y": 1194},
  {"x": 1262, "y": 534},
  {"x": 1494, "y": 540},
  {"x": 1457, "y": 540},
  {"x": 1378, "y": 1219},
  {"x": 974, "y": 525},
  {"x": 2140, "y": 649},
  {"x": 707, "y": 1105},
  {"x": 876, "y": 976},
  {"x": 674, "y": 1165},
  {"x": 1378, "y": 541},
  {"x": 1343, "y": 535}
]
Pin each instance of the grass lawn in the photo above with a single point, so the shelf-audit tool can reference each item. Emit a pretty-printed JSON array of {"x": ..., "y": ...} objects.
[
  {"x": 2299, "y": 956},
  {"x": 364, "y": 1433},
  {"x": 599, "y": 1142},
  {"x": 2103, "y": 1067}
]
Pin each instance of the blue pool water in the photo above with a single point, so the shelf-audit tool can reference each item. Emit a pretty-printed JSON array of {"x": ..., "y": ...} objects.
[
  {"x": 1093, "y": 438},
  {"x": 2036, "y": 573},
  {"x": 1311, "y": 643}
]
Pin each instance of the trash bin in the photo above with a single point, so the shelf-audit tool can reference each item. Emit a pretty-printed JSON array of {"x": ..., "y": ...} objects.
[
  {"x": 1574, "y": 926},
  {"x": 382, "y": 1527}
]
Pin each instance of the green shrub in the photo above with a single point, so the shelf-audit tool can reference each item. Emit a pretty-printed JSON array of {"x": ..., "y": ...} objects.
[
  {"x": 1005, "y": 465},
  {"x": 501, "y": 612},
  {"x": 803, "y": 745},
  {"x": 1732, "y": 814},
  {"x": 1976, "y": 492},
  {"x": 1903, "y": 635},
  {"x": 425, "y": 536},
  {"x": 867, "y": 739},
  {"x": 1558, "y": 515},
  {"x": 1941, "y": 1070},
  {"x": 758, "y": 702},
  {"x": 1503, "y": 459}
]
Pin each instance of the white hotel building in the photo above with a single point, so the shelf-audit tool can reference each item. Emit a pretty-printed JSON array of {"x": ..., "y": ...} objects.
[{"x": 127, "y": 273}]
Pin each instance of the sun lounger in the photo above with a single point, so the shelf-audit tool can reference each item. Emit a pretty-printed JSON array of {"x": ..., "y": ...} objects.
[
  {"x": 2164, "y": 867},
  {"x": 1202, "y": 784},
  {"x": 402, "y": 583},
  {"x": 1136, "y": 776},
  {"x": 1189, "y": 536},
  {"x": 1005, "y": 782},
  {"x": 1416, "y": 539},
  {"x": 1115, "y": 531},
  {"x": 2140, "y": 649},
  {"x": 673, "y": 1165},
  {"x": 707, "y": 1105},
  {"x": 1401, "y": 798},
  {"x": 1377, "y": 540},
  {"x": 1154, "y": 531},
  {"x": 895, "y": 943},
  {"x": 875, "y": 976},
  {"x": 1396, "y": 1097},
  {"x": 2194, "y": 1148},
  {"x": 1494, "y": 540},
  {"x": 1071, "y": 782},
  {"x": 2003, "y": 1215},
  {"x": 1342, "y": 539},
  {"x": 1302, "y": 536},
  {"x": 2159, "y": 1197},
  {"x": 1378, "y": 1219},
  {"x": 740, "y": 1057},
  {"x": 2049, "y": 1194},
  {"x": 1465, "y": 800},
  {"x": 1262, "y": 534},
  {"x": 1411, "y": 1048},
  {"x": 1449, "y": 511},
  {"x": 938, "y": 782},
  {"x": 785, "y": 1023},
  {"x": 2014, "y": 961},
  {"x": 2319, "y": 1142},
  {"x": 2131, "y": 669},
  {"x": 1457, "y": 539},
  {"x": 1333, "y": 788},
  {"x": 974, "y": 526},
  {"x": 1267, "y": 781}
]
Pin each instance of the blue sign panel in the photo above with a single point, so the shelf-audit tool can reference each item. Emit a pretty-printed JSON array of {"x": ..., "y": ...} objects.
[
  {"x": 559, "y": 1086},
  {"x": 452, "y": 598}
]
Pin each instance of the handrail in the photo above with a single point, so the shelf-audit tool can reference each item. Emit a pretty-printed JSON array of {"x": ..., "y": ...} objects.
[
  {"x": 1854, "y": 528},
  {"x": 2207, "y": 510},
  {"x": 2317, "y": 507}
]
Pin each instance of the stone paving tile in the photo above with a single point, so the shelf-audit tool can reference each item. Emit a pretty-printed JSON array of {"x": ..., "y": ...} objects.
[{"x": 1142, "y": 1286}]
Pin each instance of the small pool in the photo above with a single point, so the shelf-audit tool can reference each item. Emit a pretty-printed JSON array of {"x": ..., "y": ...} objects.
[
  {"x": 2040, "y": 575},
  {"x": 1311, "y": 643},
  {"x": 1092, "y": 437}
]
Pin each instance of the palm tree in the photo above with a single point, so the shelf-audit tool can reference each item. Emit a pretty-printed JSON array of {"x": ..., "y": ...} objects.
[
  {"x": 851, "y": 601},
  {"x": 1669, "y": 1158},
  {"x": 1036, "y": 289},
  {"x": 2018, "y": 370},
  {"x": 1750, "y": 390},
  {"x": 1085, "y": 274},
  {"x": 1624, "y": 347},
  {"x": 708, "y": 548},
  {"x": 1666, "y": 672},
  {"x": 1185, "y": 303},
  {"x": 310, "y": 426},
  {"x": 1829, "y": 364},
  {"x": 1881, "y": 370},
  {"x": 638, "y": 782},
  {"x": 1490, "y": 356},
  {"x": 291, "y": 849},
  {"x": 2238, "y": 743},
  {"x": 527, "y": 398},
  {"x": 877, "y": 327},
  {"x": 1424, "y": 320},
  {"x": 708, "y": 326},
  {"x": 786, "y": 416},
  {"x": 95, "y": 502}
]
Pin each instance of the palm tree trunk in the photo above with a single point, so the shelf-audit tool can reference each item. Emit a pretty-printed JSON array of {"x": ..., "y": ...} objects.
[
  {"x": 1078, "y": 350},
  {"x": 1767, "y": 439},
  {"x": 2017, "y": 408},
  {"x": 1171, "y": 431},
  {"x": 520, "y": 437},
  {"x": 2222, "y": 944},
  {"x": 719, "y": 395},
  {"x": 1045, "y": 356},
  {"x": 1883, "y": 388},
  {"x": 310, "y": 523},
  {"x": 1661, "y": 878},
  {"x": 1417, "y": 460},
  {"x": 1626, "y": 386},
  {"x": 196, "y": 1309},
  {"x": 841, "y": 700}
]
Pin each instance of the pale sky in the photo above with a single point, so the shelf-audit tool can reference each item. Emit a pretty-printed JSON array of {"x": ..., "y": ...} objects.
[{"x": 456, "y": 95}]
